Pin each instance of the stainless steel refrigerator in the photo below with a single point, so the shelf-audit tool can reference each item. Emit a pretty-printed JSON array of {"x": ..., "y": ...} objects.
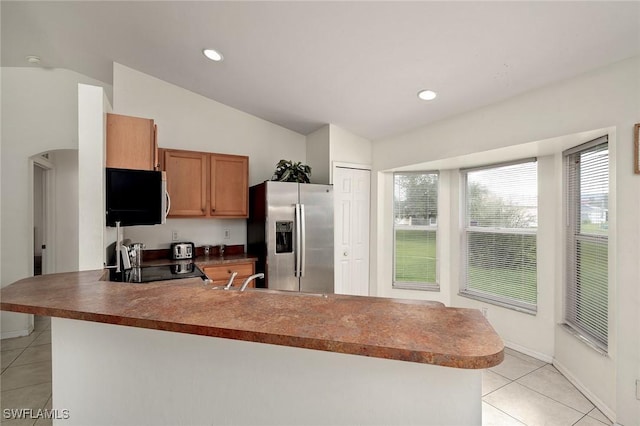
[{"x": 290, "y": 229}]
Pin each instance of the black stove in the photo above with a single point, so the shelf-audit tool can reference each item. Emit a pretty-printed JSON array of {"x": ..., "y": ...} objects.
[{"x": 157, "y": 273}]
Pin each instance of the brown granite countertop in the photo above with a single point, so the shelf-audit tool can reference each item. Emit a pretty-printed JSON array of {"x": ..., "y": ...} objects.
[{"x": 408, "y": 330}]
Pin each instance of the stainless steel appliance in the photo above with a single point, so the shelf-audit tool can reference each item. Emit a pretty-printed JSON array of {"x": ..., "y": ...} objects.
[
  {"x": 181, "y": 251},
  {"x": 136, "y": 197},
  {"x": 135, "y": 254},
  {"x": 290, "y": 229},
  {"x": 157, "y": 273}
]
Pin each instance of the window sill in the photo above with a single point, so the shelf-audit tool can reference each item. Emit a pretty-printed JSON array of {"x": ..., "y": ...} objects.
[
  {"x": 584, "y": 339},
  {"x": 528, "y": 311},
  {"x": 416, "y": 286}
]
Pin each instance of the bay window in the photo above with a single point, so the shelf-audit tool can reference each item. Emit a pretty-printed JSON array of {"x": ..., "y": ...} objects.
[
  {"x": 415, "y": 226},
  {"x": 587, "y": 240},
  {"x": 499, "y": 234}
]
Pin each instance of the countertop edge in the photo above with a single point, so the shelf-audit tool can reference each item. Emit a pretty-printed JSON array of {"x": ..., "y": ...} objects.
[
  {"x": 444, "y": 360},
  {"x": 479, "y": 361}
]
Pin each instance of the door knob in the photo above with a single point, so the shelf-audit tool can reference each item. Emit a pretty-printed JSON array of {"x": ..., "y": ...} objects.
[{"x": 345, "y": 253}]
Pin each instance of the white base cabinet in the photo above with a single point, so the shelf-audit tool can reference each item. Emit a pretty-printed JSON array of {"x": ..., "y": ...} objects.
[{"x": 106, "y": 374}]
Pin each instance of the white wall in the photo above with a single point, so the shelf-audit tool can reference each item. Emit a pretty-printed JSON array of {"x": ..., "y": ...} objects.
[
  {"x": 39, "y": 114},
  {"x": 330, "y": 144},
  {"x": 92, "y": 134},
  {"x": 319, "y": 155},
  {"x": 198, "y": 231},
  {"x": 607, "y": 98},
  {"x": 189, "y": 121},
  {"x": 348, "y": 147},
  {"x": 65, "y": 162}
]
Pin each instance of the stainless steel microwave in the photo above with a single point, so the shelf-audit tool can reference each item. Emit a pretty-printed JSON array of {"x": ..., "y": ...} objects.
[{"x": 136, "y": 197}]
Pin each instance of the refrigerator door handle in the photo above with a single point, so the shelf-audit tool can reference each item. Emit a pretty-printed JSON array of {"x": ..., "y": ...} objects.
[
  {"x": 298, "y": 248},
  {"x": 303, "y": 237}
]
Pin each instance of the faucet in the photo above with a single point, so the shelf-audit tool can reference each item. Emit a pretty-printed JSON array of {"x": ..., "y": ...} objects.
[
  {"x": 230, "y": 282},
  {"x": 249, "y": 279}
]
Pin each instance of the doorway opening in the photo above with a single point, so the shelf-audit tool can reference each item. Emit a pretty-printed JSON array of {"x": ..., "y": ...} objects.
[{"x": 42, "y": 211}]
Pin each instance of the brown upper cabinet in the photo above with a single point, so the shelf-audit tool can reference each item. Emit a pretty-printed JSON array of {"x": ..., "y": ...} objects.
[
  {"x": 187, "y": 176},
  {"x": 131, "y": 143},
  {"x": 203, "y": 184},
  {"x": 228, "y": 185}
]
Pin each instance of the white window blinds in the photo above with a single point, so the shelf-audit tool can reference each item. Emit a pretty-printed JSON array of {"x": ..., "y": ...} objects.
[
  {"x": 415, "y": 224},
  {"x": 587, "y": 206},
  {"x": 499, "y": 234}
]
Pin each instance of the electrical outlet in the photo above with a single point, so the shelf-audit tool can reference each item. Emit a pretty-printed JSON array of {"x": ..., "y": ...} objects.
[
  {"x": 174, "y": 236},
  {"x": 485, "y": 312},
  {"x": 227, "y": 234}
]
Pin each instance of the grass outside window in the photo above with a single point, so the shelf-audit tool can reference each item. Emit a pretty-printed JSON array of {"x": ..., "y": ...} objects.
[
  {"x": 415, "y": 256},
  {"x": 415, "y": 224},
  {"x": 499, "y": 235}
]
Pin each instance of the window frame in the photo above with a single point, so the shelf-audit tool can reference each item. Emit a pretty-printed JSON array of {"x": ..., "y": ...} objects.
[
  {"x": 573, "y": 221},
  {"x": 424, "y": 285},
  {"x": 465, "y": 229}
]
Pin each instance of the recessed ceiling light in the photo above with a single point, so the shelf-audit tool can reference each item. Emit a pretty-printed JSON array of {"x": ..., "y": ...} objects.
[
  {"x": 212, "y": 54},
  {"x": 33, "y": 59},
  {"x": 427, "y": 95}
]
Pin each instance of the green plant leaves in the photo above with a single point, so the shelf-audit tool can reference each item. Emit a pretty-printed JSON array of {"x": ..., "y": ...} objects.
[{"x": 288, "y": 171}]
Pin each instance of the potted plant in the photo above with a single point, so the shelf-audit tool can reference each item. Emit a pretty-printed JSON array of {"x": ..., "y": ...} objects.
[{"x": 288, "y": 171}]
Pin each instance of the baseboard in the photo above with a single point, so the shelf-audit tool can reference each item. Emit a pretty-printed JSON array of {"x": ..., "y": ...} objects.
[
  {"x": 16, "y": 333},
  {"x": 537, "y": 355},
  {"x": 587, "y": 393}
]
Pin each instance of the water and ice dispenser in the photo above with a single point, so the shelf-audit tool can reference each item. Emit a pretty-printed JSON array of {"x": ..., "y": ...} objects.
[{"x": 284, "y": 236}]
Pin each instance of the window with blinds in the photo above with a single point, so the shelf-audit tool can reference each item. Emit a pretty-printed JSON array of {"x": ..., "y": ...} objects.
[
  {"x": 499, "y": 234},
  {"x": 587, "y": 207},
  {"x": 415, "y": 225}
]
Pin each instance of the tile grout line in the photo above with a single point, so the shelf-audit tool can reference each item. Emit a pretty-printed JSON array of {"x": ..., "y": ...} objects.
[
  {"x": 555, "y": 400},
  {"x": 586, "y": 415},
  {"x": 14, "y": 360},
  {"x": 609, "y": 422},
  {"x": 505, "y": 413},
  {"x": 51, "y": 383},
  {"x": 26, "y": 386},
  {"x": 519, "y": 377},
  {"x": 20, "y": 354},
  {"x": 539, "y": 393},
  {"x": 497, "y": 389},
  {"x": 40, "y": 332}
]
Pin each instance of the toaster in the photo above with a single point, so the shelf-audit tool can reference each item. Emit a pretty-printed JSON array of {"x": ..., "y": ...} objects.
[{"x": 181, "y": 251}]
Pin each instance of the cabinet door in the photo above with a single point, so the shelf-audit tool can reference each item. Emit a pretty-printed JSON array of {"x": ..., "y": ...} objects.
[
  {"x": 156, "y": 152},
  {"x": 229, "y": 185},
  {"x": 131, "y": 142},
  {"x": 186, "y": 182},
  {"x": 220, "y": 274}
]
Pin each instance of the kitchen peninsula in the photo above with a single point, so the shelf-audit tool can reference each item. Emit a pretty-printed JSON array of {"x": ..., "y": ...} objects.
[{"x": 184, "y": 352}]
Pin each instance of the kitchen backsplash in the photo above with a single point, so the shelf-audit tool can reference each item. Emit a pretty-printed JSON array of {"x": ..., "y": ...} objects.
[{"x": 198, "y": 231}]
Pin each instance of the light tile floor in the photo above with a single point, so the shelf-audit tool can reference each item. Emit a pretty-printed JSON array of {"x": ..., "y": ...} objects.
[
  {"x": 26, "y": 374},
  {"x": 525, "y": 391},
  {"x": 520, "y": 391}
]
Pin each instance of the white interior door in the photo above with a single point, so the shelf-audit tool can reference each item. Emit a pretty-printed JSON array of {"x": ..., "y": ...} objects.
[{"x": 351, "y": 188}]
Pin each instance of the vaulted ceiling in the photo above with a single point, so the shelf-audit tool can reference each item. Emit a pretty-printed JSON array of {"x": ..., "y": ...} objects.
[{"x": 357, "y": 64}]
